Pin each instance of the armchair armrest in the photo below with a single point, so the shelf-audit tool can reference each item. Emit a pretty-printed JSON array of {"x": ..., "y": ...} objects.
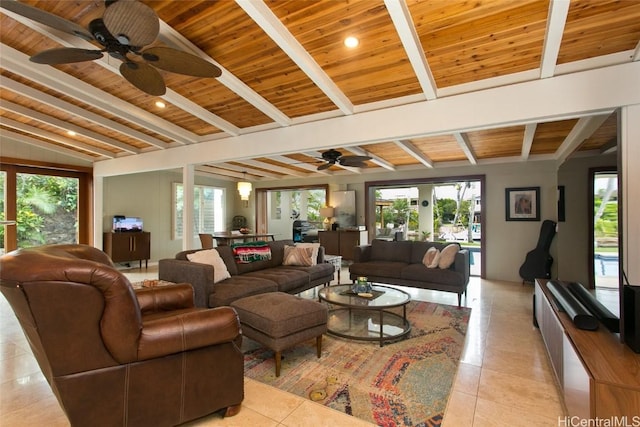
[
  {"x": 187, "y": 331},
  {"x": 361, "y": 253},
  {"x": 165, "y": 298},
  {"x": 199, "y": 275}
]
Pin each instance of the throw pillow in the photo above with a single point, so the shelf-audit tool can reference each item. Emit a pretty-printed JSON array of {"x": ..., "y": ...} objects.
[
  {"x": 248, "y": 252},
  {"x": 448, "y": 255},
  {"x": 431, "y": 257},
  {"x": 315, "y": 248},
  {"x": 300, "y": 256},
  {"x": 212, "y": 257}
]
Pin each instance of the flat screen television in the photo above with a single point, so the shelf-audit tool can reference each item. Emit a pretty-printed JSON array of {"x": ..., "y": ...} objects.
[{"x": 126, "y": 223}]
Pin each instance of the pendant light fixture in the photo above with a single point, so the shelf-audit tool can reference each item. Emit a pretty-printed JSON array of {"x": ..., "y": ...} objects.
[{"x": 244, "y": 188}]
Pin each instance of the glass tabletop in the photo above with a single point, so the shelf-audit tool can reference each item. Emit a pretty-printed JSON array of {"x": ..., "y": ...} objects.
[{"x": 381, "y": 297}]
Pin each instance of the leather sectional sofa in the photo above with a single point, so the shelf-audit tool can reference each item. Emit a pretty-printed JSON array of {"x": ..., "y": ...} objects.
[
  {"x": 245, "y": 279},
  {"x": 401, "y": 263}
]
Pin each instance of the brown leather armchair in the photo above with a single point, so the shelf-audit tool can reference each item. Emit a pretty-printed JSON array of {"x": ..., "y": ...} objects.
[{"x": 114, "y": 356}]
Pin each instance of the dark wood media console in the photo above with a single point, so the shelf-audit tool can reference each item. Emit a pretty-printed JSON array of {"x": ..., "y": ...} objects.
[{"x": 599, "y": 376}]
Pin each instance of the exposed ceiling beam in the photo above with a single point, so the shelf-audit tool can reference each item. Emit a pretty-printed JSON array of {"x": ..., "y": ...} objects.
[
  {"x": 20, "y": 138},
  {"x": 220, "y": 172},
  {"x": 44, "y": 134},
  {"x": 583, "y": 129},
  {"x": 57, "y": 103},
  {"x": 243, "y": 170},
  {"x": 171, "y": 37},
  {"x": 374, "y": 159},
  {"x": 465, "y": 145},
  {"x": 556, "y": 20},
  {"x": 527, "y": 140},
  {"x": 297, "y": 164},
  {"x": 555, "y": 98},
  {"x": 415, "y": 152},
  {"x": 403, "y": 22},
  {"x": 636, "y": 52},
  {"x": 271, "y": 25},
  {"x": 66, "y": 126},
  {"x": 271, "y": 167}
]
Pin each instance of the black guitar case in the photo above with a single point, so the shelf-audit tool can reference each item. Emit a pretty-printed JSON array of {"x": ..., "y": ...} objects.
[{"x": 537, "y": 263}]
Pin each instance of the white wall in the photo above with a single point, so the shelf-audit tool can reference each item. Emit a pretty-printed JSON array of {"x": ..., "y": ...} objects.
[{"x": 148, "y": 195}]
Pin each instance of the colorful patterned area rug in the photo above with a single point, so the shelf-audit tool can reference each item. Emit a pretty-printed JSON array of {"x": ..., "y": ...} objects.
[{"x": 405, "y": 383}]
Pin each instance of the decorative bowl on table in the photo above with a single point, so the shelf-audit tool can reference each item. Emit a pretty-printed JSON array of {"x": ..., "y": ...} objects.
[{"x": 245, "y": 230}]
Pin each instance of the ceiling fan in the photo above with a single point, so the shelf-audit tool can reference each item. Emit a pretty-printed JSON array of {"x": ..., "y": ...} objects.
[
  {"x": 124, "y": 31},
  {"x": 332, "y": 157}
]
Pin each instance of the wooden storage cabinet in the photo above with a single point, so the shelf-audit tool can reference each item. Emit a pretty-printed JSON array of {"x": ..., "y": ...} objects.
[
  {"x": 341, "y": 242},
  {"x": 597, "y": 373},
  {"x": 128, "y": 246}
]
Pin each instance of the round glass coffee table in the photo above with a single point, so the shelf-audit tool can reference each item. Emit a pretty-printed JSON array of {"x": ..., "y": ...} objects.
[{"x": 366, "y": 318}]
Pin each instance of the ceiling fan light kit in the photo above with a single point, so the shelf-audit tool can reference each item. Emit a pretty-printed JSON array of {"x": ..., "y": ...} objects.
[{"x": 124, "y": 30}]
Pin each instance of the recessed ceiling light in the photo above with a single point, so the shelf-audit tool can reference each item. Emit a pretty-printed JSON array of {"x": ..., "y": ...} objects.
[
  {"x": 351, "y": 42},
  {"x": 160, "y": 104},
  {"x": 71, "y": 133}
]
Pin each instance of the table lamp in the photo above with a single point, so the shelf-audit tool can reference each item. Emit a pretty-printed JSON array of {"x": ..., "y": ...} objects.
[{"x": 327, "y": 213}]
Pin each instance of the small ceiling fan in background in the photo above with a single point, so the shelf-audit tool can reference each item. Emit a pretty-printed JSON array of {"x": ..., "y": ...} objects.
[
  {"x": 124, "y": 31},
  {"x": 331, "y": 157}
]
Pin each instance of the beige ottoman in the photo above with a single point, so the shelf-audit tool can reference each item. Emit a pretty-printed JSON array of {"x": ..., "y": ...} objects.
[{"x": 279, "y": 320}]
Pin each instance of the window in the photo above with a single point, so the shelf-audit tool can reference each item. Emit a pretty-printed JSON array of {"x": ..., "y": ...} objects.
[
  {"x": 208, "y": 209},
  {"x": 47, "y": 204}
]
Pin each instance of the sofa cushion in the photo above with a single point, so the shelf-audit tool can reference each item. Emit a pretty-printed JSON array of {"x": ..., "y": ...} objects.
[
  {"x": 448, "y": 255},
  {"x": 377, "y": 268},
  {"x": 315, "y": 272},
  {"x": 286, "y": 278},
  {"x": 236, "y": 287},
  {"x": 420, "y": 273},
  {"x": 315, "y": 248},
  {"x": 431, "y": 257},
  {"x": 212, "y": 257},
  {"x": 382, "y": 250},
  {"x": 300, "y": 256}
]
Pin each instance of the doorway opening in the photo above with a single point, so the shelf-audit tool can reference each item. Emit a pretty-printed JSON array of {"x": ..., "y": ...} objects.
[
  {"x": 604, "y": 200},
  {"x": 440, "y": 210}
]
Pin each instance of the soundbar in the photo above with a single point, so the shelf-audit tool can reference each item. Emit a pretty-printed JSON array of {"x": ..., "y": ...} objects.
[
  {"x": 578, "y": 313},
  {"x": 608, "y": 319}
]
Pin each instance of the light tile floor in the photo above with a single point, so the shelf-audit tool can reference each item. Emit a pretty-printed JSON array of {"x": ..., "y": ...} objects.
[{"x": 504, "y": 377}]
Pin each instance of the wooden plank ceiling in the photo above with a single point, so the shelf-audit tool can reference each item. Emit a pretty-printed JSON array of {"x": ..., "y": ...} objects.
[{"x": 284, "y": 62}]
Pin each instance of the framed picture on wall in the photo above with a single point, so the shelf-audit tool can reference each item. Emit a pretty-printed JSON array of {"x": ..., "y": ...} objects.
[{"x": 522, "y": 204}]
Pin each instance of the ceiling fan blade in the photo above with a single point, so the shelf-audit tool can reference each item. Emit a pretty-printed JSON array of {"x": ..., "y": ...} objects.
[
  {"x": 46, "y": 18},
  {"x": 324, "y": 166},
  {"x": 355, "y": 158},
  {"x": 131, "y": 22},
  {"x": 65, "y": 55},
  {"x": 144, "y": 77},
  {"x": 180, "y": 62},
  {"x": 352, "y": 163}
]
